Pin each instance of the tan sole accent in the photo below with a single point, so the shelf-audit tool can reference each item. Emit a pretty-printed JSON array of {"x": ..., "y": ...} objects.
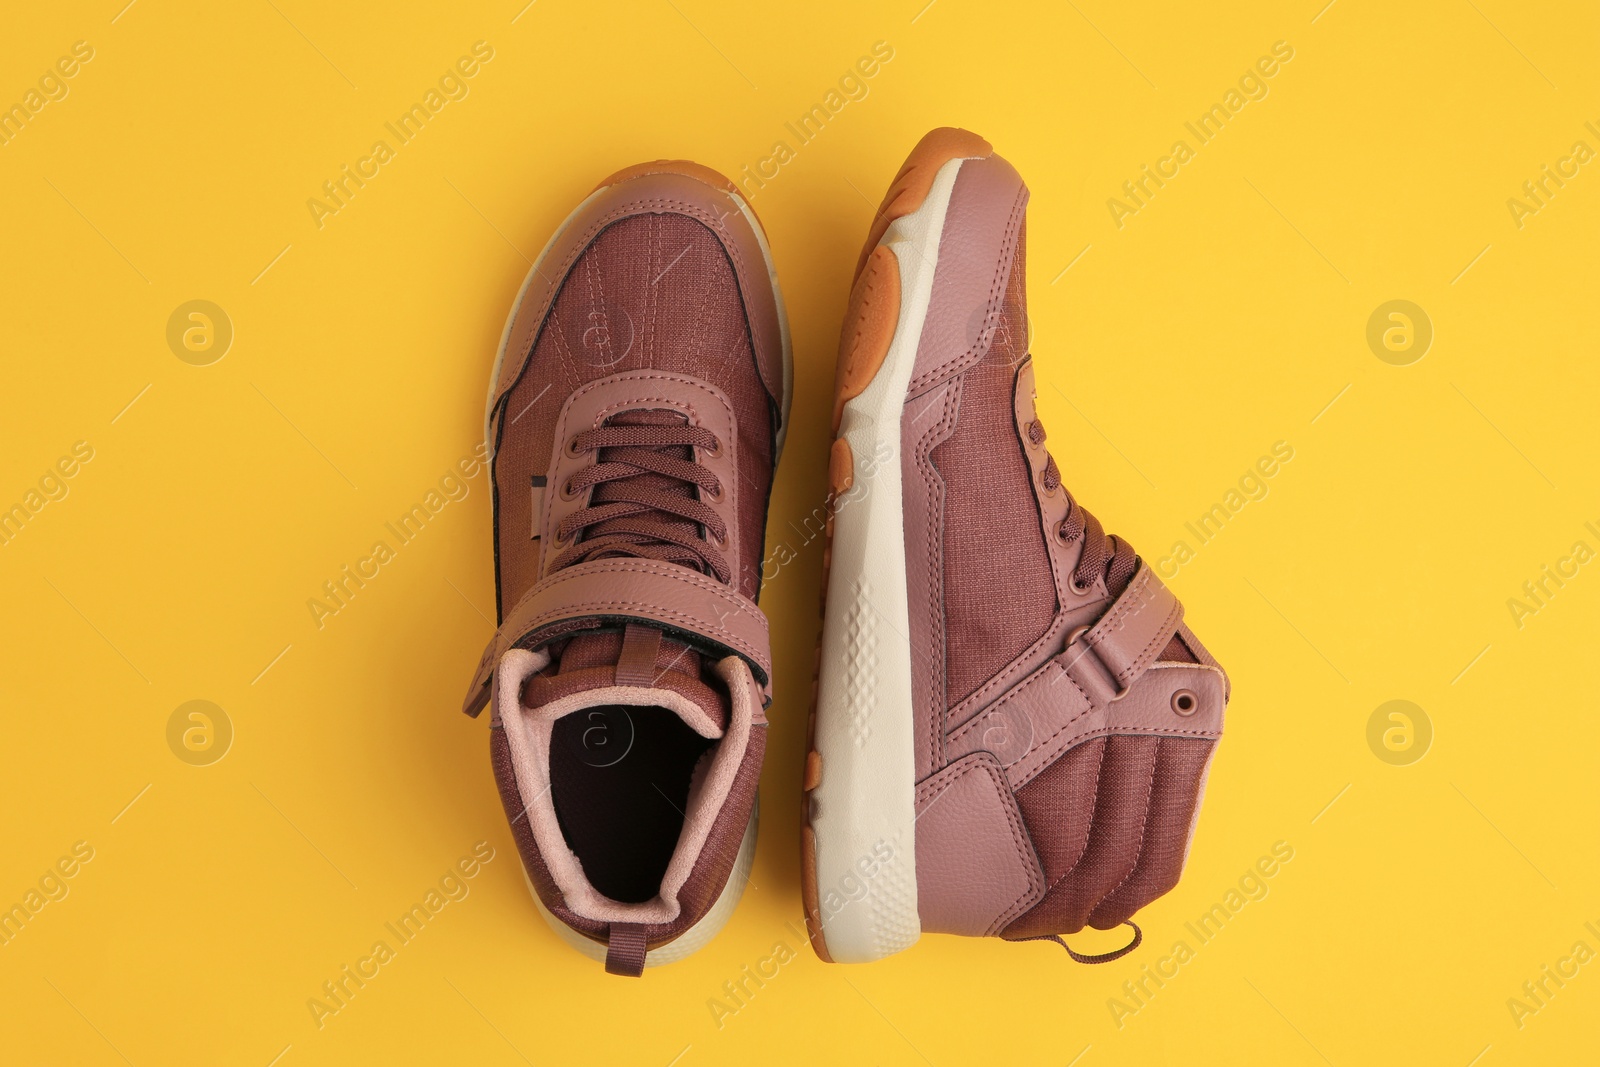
[
  {"x": 841, "y": 467},
  {"x": 808, "y": 890},
  {"x": 869, "y": 324},
  {"x": 910, "y": 187},
  {"x": 868, "y": 328}
]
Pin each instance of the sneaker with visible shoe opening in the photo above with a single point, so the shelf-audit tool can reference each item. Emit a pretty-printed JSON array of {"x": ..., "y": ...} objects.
[
  {"x": 636, "y": 413},
  {"x": 1012, "y": 724}
]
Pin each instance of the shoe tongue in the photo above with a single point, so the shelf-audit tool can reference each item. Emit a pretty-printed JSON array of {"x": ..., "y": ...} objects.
[{"x": 639, "y": 656}]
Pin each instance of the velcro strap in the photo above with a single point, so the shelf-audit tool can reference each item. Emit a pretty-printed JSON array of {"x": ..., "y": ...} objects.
[
  {"x": 481, "y": 689},
  {"x": 680, "y": 601},
  {"x": 1108, "y": 657}
]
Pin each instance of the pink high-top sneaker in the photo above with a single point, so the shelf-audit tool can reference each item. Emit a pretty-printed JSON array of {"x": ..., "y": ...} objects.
[
  {"x": 636, "y": 413},
  {"x": 1013, "y": 723}
]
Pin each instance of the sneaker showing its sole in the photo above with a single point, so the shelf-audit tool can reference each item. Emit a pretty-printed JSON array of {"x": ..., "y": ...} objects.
[{"x": 858, "y": 833}]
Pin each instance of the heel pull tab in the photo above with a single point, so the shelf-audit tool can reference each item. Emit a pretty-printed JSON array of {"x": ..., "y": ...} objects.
[
  {"x": 1103, "y": 957},
  {"x": 625, "y": 950}
]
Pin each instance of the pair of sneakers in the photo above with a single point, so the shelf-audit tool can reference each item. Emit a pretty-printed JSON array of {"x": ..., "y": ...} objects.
[{"x": 1012, "y": 723}]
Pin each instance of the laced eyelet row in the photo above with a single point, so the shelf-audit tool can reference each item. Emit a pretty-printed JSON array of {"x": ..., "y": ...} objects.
[{"x": 712, "y": 489}]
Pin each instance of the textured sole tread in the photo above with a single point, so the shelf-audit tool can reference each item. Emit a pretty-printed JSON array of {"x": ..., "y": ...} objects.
[{"x": 868, "y": 332}]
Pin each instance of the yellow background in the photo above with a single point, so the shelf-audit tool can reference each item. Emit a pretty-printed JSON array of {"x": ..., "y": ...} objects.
[{"x": 1222, "y": 318}]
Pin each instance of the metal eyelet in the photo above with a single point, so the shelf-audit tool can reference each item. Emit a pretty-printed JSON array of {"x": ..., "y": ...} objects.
[
  {"x": 1081, "y": 590},
  {"x": 572, "y": 447},
  {"x": 1061, "y": 534},
  {"x": 566, "y": 492},
  {"x": 715, "y": 493},
  {"x": 1185, "y": 702},
  {"x": 715, "y": 451}
]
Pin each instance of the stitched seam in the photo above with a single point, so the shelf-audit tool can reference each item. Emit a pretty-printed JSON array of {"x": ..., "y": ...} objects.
[
  {"x": 650, "y": 376},
  {"x": 1083, "y": 850},
  {"x": 1019, "y": 835},
  {"x": 652, "y": 295},
  {"x": 702, "y": 584},
  {"x": 938, "y": 647},
  {"x": 1158, "y": 639},
  {"x": 1162, "y": 634},
  {"x": 1023, "y": 844},
  {"x": 1008, "y": 250},
  {"x": 1130, "y": 602},
  {"x": 563, "y": 347},
  {"x": 701, "y": 326},
  {"x": 1015, "y": 693},
  {"x": 1109, "y": 731},
  {"x": 630, "y": 207},
  {"x": 1144, "y": 826},
  {"x": 1049, "y": 750},
  {"x": 652, "y": 611},
  {"x": 1046, "y": 745},
  {"x": 720, "y": 592},
  {"x": 699, "y": 581},
  {"x": 586, "y": 238},
  {"x": 1000, "y": 682},
  {"x": 599, "y": 280}
]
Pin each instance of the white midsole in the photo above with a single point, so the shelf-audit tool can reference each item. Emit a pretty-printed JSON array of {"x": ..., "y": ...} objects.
[
  {"x": 864, "y": 807},
  {"x": 692, "y": 939}
]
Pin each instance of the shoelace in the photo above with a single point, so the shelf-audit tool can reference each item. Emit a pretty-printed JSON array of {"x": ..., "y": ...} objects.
[
  {"x": 644, "y": 502},
  {"x": 1103, "y": 554},
  {"x": 1101, "y": 957}
]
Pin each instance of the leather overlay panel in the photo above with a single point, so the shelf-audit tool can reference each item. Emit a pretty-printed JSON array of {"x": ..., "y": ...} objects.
[
  {"x": 976, "y": 867},
  {"x": 925, "y": 424},
  {"x": 1130, "y": 636},
  {"x": 589, "y": 406},
  {"x": 1048, "y": 713},
  {"x": 976, "y": 250}
]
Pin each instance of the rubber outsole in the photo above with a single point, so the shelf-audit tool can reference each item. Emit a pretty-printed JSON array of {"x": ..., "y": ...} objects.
[{"x": 870, "y": 323}]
